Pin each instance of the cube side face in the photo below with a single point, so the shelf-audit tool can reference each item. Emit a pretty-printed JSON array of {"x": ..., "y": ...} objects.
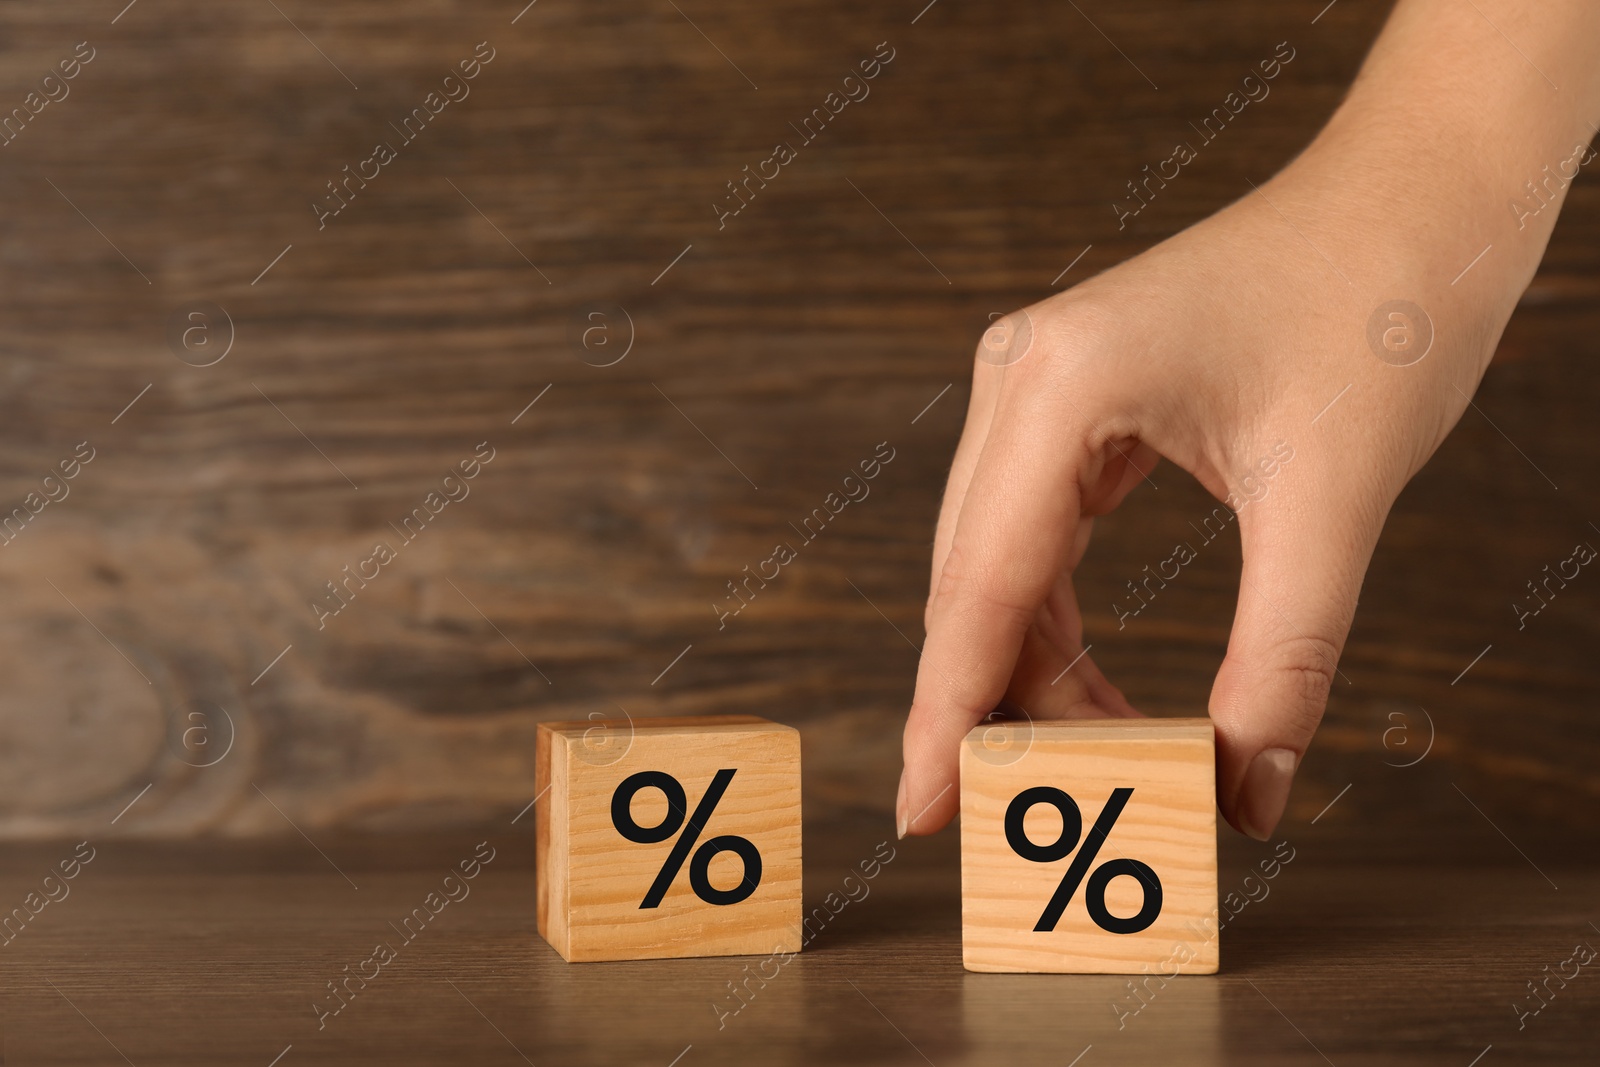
[
  {"x": 609, "y": 875},
  {"x": 1167, "y": 823},
  {"x": 550, "y": 839}
]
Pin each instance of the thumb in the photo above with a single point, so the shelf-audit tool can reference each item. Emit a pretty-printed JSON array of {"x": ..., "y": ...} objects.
[{"x": 1303, "y": 567}]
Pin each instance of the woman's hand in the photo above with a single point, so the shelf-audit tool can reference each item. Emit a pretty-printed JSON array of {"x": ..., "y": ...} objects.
[{"x": 1259, "y": 334}]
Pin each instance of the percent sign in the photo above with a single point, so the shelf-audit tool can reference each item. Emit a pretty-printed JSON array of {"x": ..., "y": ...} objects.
[
  {"x": 1094, "y": 897},
  {"x": 699, "y": 866}
]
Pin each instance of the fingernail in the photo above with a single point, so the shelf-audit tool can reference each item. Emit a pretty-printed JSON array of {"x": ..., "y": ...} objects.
[
  {"x": 900, "y": 809},
  {"x": 1265, "y": 792}
]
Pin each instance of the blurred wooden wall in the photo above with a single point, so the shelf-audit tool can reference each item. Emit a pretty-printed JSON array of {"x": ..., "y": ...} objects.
[{"x": 768, "y": 357}]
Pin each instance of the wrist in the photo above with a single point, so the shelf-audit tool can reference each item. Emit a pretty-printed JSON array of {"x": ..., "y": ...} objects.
[
  {"x": 1413, "y": 208},
  {"x": 1454, "y": 140}
]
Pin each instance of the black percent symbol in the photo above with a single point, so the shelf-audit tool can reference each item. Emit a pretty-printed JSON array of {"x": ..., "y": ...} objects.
[
  {"x": 699, "y": 866},
  {"x": 1094, "y": 898}
]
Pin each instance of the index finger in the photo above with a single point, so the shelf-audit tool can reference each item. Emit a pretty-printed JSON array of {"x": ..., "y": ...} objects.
[{"x": 1011, "y": 541}]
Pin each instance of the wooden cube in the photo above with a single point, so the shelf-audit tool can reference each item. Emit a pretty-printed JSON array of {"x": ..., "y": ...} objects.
[
  {"x": 668, "y": 837},
  {"x": 1089, "y": 846}
]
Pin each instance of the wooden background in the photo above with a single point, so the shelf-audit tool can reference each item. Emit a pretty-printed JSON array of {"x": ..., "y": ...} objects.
[
  {"x": 591, "y": 550},
  {"x": 147, "y": 615}
]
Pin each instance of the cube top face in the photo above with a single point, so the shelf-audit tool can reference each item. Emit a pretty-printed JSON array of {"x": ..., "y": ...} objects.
[
  {"x": 669, "y": 837},
  {"x": 1090, "y": 846}
]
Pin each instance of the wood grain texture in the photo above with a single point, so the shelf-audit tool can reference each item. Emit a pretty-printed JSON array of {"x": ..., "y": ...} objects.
[
  {"x": 1167, "y": 823},
  {"x": 595, "y": 882},
  {"x": 593, "y": 549},
  {"x": 215, "y": 952}
]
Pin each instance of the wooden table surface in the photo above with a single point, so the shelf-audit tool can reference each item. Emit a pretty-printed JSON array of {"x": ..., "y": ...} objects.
[
  {"x": 170, "y": 695},
  {"x": 217, "y": 953}
]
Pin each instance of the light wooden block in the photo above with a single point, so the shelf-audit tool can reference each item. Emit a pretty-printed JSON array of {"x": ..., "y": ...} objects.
[
  {"x": 603, "y": 840},
  {"x": 1167, "y": 823}
]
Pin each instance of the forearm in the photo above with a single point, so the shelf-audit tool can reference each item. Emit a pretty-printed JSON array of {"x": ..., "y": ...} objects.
[{"x": 1465, "y": 128}]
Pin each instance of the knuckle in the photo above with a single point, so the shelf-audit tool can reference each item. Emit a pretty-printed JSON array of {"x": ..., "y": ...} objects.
[
  {"x": 976, "y": 588},
  {"x": 1007, "y": 340},
  {"x": 1308, "y": 665},
  {"x": 1065, "y": 331},
  {"x": 1079, "y": 325}
]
